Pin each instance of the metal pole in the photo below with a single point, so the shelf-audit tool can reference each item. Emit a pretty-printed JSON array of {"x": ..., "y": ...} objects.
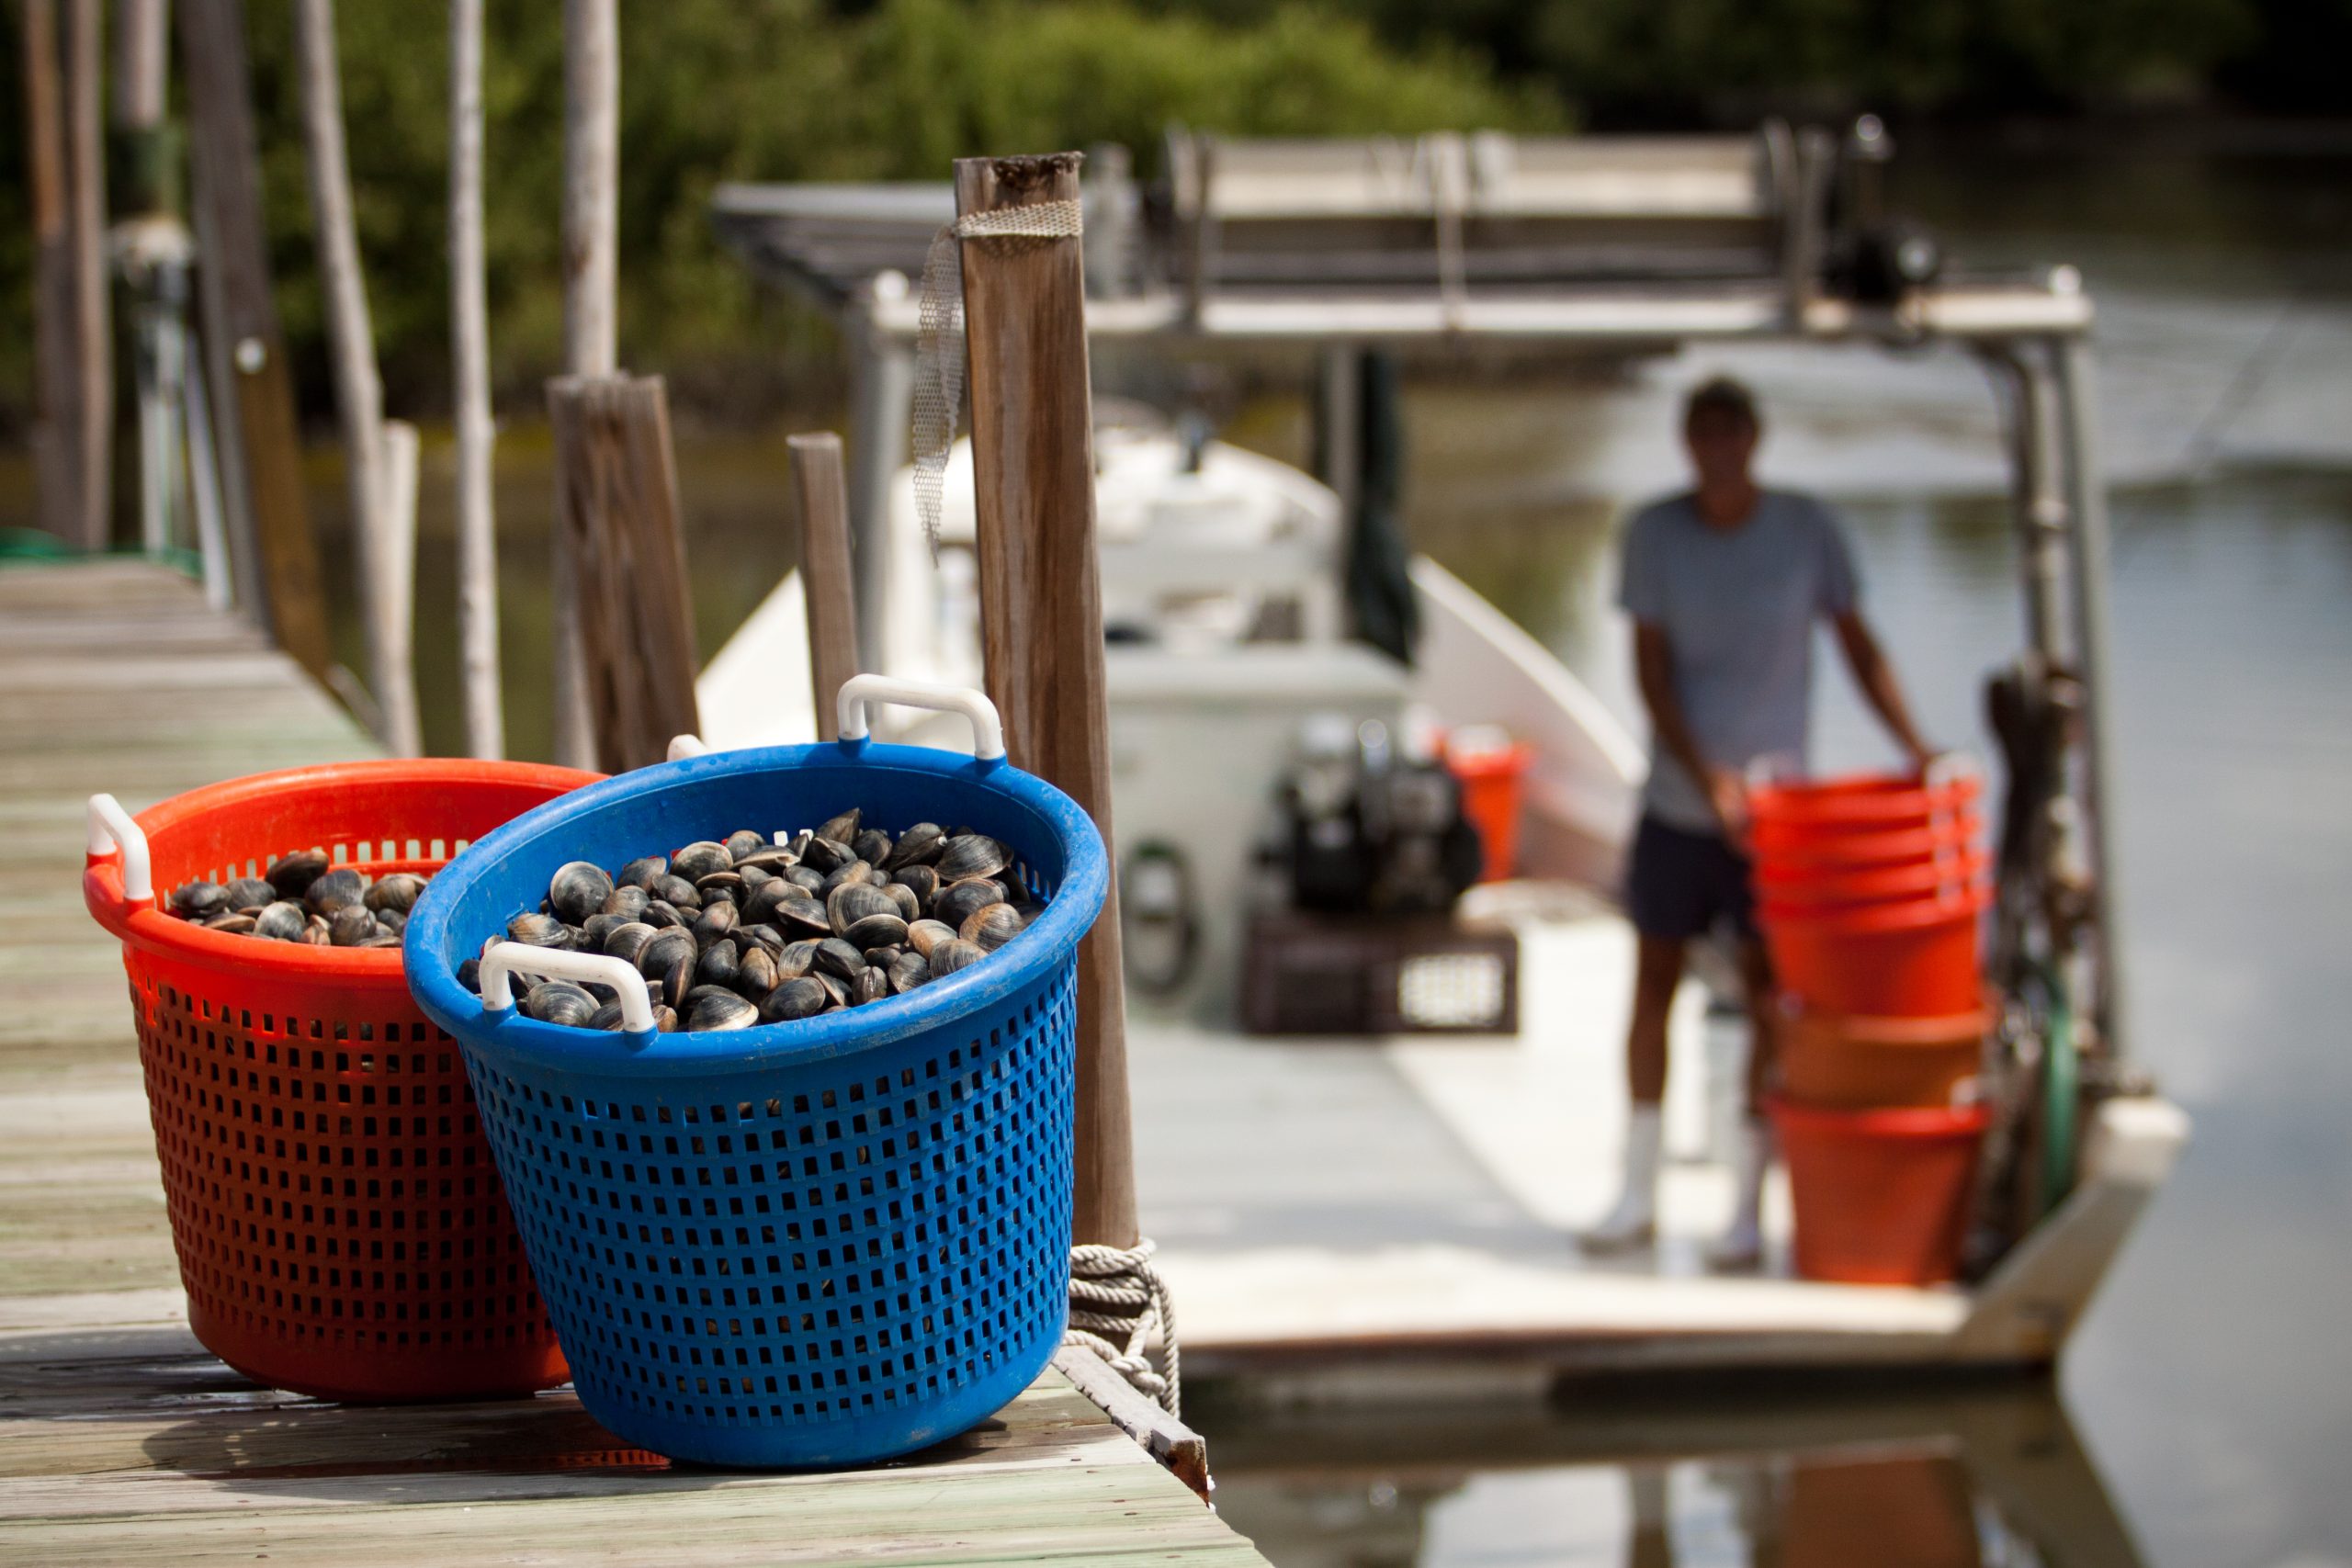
[
  {"x": 2087, "y": 538},
  {"x": 477, "y": 433},
  {"x": 2042, "y": 512},
  {"x": 882, "y": 390}
]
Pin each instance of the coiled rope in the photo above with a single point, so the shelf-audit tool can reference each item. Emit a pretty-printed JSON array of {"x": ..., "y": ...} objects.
[
  {"x": 1117, "y": 1301},
  {"x": 939, "y": 336}
]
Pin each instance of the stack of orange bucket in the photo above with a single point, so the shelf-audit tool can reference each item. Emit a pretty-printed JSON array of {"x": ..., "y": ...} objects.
[{"x": 1870, "y": 891}]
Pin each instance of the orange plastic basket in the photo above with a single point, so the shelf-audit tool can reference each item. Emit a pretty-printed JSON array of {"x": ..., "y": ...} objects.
[
  {"x": 339, "y": 1222},
  {"x": 1882, "y": 1197}
]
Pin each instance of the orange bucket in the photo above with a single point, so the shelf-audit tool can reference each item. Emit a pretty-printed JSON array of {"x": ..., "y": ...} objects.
[
  {"x": 1493, "y": 786},
  {"x": 1833, "y": 1060},
  {"x": 1914, "y": 958},
  {"x": 1792, "y": 846},
  {"x": 1863, "y": 802},
  {"x": 1882, "y": 1197},
  {"x": 1813, "y": 888},
  {"x": 1906, "y": 1511}
]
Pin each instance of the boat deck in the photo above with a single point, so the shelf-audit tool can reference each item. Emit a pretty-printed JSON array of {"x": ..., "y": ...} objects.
[{"x": 122, "y": 1441}]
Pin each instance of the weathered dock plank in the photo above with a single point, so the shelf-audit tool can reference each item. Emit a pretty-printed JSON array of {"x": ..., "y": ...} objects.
[{"x": 123, "y": 1442}]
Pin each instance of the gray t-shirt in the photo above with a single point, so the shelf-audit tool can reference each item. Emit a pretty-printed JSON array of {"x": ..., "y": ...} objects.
[{"x": 1738, "y": 608}]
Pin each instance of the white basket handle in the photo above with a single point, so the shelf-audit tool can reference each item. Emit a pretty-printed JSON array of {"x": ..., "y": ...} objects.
[
  {"x": 858, "y": 691},
  {"x": 684, "y": 745},
  {"x": 111, "y": 827},
  {"x": 507, "y": 958}
]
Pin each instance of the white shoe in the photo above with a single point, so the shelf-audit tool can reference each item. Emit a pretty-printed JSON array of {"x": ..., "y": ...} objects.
[
  {"x": 1741, "y": 1246},
  {"x": 1633, "y": 1220}
]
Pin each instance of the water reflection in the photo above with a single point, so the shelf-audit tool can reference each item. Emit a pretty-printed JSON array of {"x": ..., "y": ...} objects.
[{"x": 1988, "y": 1477}]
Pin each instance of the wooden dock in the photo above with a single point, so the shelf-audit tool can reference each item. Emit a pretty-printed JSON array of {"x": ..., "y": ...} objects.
[{"x": 122, "y": 1441}]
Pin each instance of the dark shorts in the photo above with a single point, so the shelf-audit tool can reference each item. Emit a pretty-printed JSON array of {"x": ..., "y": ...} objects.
[{"x": 1681, "y": 884}]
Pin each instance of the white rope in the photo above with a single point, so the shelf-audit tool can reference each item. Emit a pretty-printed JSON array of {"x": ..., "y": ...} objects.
[
  {"x": 1116, "y": 1303},
  {"x": 939, "y": 336}
]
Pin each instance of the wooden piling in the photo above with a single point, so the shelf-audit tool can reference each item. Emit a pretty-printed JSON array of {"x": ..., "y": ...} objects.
[
  {"x": 56, "y": 466},
  {"x": 476, "y": 432},
  {"x": 592, "y": 69},
  {"x": 1041, "y": 600},
  {"x": 828, "y": 584},
  {"x": 140, "y": 57},
  {"x": 93, "y": 276},
  {"x": 358, "y": 388},
  {"x": 617, "y": 512},
  {"x": 262, "y": 475}
]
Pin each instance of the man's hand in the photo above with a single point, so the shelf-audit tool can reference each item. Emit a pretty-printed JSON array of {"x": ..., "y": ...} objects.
[{"x": 1727, "y": 793}]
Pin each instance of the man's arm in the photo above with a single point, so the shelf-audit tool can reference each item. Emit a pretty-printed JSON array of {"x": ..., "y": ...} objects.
[
  {"x": 1876, "y": 678},
  {"x": 1654, "y": 665}
]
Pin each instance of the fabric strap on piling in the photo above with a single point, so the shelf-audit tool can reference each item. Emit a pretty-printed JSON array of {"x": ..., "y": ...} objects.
[
  {"x": 939, "y": 337},
  {"x": 1118, "y": 1302}
]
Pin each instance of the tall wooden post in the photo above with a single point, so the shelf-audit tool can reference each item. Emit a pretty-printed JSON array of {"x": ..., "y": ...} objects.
[
  {"x": 476, "y": 432},
  {"x": 592, "y": 97},
  {"x": 93, "y": 278},
  {"x": 56, "y": 464},
  {"x": 359, "y": 388},
  {"x": 1040, "y": 599},
  {"x": 269, "y": 519},
  {"x": 140, "y": 30},
  {"x": 828, "y": 585}
]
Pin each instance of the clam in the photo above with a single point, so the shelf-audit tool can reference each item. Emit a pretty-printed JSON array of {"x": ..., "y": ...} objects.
[
  {"x": 842, "y": 876},
  {"x": 351, "y": 926},
  {"x": 796, "y": 960},
  {"x": 919, "y": 880},
  {"x": 800, "y": 913},
  {"x": 232, "y": 922},
  {"x": 855, "y": 901},
  {"x": 469, "y": 972},
  {"x": 644, "y": 871},
  {"x": 627, "y": 901},
  {"x": 539, "y": 931},
  {"x": 796, "y": 998},
  {"x": 756, "y": 973},
  {"x": 314, "y": 931},
  {"x": 836, "y": 989},
  {"x": 721, "y": 1009},
  {"x": 558, "y": 1001},
  {"x": 677, "y": 981},
  {"x": 383, "y": 939},
  {"x": 909, "y": 904},
  {"x": 959, "y": 901},
  {"x": 578, "y": 891},
  {"x": 656, "y": 953},
  {"x": 596, "y": 928},
  {"x": 843, "y": 827},
  {"x": 924, "y": 936},
  {"x": 330, "y": 892},
  {"x": 676, "y": 892},
  {"x": 992, "y": 927},
  {"x": 909, "y": 970},
  {"x": 607, "y": 1016},
  {"x": 697, "y": 861},
  {"x": 741, "y": 846},
  {"x": 250, "y": 893},
  {"x": 767, "y": 937},
  {"x": 918, "y": 845},
  {"x": 885, "y": 930},
  {"x": 871, "y": 985},
  {"x": 824, "y": 854},
  {"x": 399, "y": 891},
  {"x": 659, "y": 914},
  {"x": 724, "y": 886},
  {"x": 838, "y": 957},
  {"x": 392, "y": 921},
  {"x": 807, "y": 878},
  {"x": 200, "y": 900},
  {"x": 969, "y": 855},
  {"x": 665, "y": 1019},
  {"x": 753, "y": 877},
  {"x": 282, "y": 922},
  {"x": 293, "y": 874},
  {"x": 954, "y": 955},
  {"x": 873, "y": 846},
  {"x": 715, "y": 921},
  {"x": 718, "y": 964},
  {"x": 768, "y": 861}
]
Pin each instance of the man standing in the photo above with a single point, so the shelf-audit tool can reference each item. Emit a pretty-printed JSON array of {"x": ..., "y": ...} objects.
[{"x": 1723, "y": 585}]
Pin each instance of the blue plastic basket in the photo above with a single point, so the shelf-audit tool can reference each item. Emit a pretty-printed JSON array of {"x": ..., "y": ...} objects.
[{"x": 820, "y": 1242}]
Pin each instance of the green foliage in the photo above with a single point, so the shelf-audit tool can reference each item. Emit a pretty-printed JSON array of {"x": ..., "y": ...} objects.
[{"x": 716, "y": 90}]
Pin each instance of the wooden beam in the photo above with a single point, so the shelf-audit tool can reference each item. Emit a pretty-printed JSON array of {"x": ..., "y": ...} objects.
[
  {"x": 1183, "y": 1452},
  {"x": 1041, "y": 600},
  {"x": 55, "y": 465},
  {"x": 93, "y": 277},
  {"x": 591, "y": 95},
  {"x": 241, "y": 338},
  {"x": 828, "y": 584},
  {"x": 617, "y": 510},
  {"x": 358, "y": 387},
  {"x": 477, "y": 431}
]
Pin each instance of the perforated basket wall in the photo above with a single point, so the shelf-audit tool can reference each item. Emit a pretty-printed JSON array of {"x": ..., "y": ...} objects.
[
  {"x": 337, "y": 1216},
  {"x": 813, "y": 1243}
]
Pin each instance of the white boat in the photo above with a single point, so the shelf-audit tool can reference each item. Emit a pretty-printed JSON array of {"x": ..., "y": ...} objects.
[{"x": 1409, "y": 1202}]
